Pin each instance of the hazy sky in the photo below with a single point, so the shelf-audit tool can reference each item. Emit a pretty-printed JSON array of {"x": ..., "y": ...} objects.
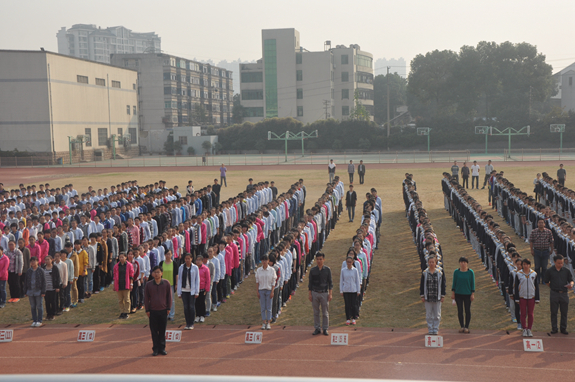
[{"x": 231, "y": 29}]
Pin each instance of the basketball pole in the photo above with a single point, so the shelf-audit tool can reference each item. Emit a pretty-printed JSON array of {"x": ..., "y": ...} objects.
[{"x": 486, "y": 135}]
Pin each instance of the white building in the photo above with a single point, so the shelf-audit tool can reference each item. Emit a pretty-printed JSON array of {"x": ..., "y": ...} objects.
[
  {"x": 564, "y": 81},
  {"x": 61, "y": 106},
  {"x": 175, "y": 92},
  {"x": 290, "y": 81},
  {"x": 97, "y": 44}
]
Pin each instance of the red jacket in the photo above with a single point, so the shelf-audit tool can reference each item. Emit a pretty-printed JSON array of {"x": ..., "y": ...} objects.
[
  {"x": 44, "y": 248},
  {"x": 235, "y": 254},
  {"x": 229, "y": 260},
  {"x": 205, "y": 281}
]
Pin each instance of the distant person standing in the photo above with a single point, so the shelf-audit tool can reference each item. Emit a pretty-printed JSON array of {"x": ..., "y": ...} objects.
[
  {"x": 455, "y": 171},
  {"x": 350, "y": 202},
  {"x": 158, "y": 301},
  {"x": 320, "y": 293},
  {"x": 274, "y": 189},
  {"x": 541, "y": 242},
  {"x": 331, "y": 170},
  {"x": 464, "y": 175},
  {"x": 561, "y": 175},
  {"x": 361, "y": 171},
  {"x": 475, "y": 175},
  {"x": 223, "y": 171},
  {"x": 350, "y": 171},
  {"x": 432, "y": 292},
  {"x": 488, "y": 170}
]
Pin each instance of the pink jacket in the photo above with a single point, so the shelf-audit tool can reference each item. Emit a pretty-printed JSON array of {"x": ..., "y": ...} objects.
[
  {"x": 129, "y": 275},
  {"x": 236, "y": 254},
  {"x": 205, "y": 281},
  {"x": 229, "y": 260},
  {"x": 4, "y": 263},
  {"x": 44, "y": 249}
]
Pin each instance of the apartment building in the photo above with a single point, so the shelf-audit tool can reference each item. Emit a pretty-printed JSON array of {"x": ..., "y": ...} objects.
[
  {"x": 290, "y": 81},
  {"x": 175, "y": 92},
  {"x": 94, "y": 43}
]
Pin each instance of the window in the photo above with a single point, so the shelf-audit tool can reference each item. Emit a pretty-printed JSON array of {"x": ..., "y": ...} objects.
[
  {"x": 134, "y": 108},
  {"x": 298, "y": 58},
  {"x": 183, "y": 140},
  {"x": 344, "y": 59},
  {"x": 88, "y": 133},
  {"x": 300, "y": 111},
  {"x": 300, "y": 94},
  {"x": 128, "y": 109},
  {"x": 252, "y": 94},
  {"x": 82, "y": 79},
  {"x": 344, "y": 76},
  {"x": 100, "y": 82},
  {"x": 120, "y": 132},
  {"x": 134, "y": 85},
  {"x": 133, "y": 135},
  {"x": 254, "y": 112},
  {"x": 344, "y": 93},
  {"x": 570, "y": 81},
  {"x": 299, "y": 75},
  {"x": 252, "y": 77},
  {"x": 102, "y": 136},
  {"x": 345, "y": 110},
  {"x": 116, "y": 84},
  {"x": 362, "y": 60}
]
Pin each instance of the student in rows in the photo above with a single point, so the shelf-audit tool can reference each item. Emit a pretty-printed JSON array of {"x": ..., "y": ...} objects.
[
  {"x": 526, "y": 295},
  {"x": 188, "y": 289},
  {"x": 204, "y": 288},
  {"x": 123, "y": 284},
  {"x": 170, "y": 273},
  {"x": 432, "y": 291},
  {"x": 35, "y": 291},
  {"x": 350, "y": 287}
]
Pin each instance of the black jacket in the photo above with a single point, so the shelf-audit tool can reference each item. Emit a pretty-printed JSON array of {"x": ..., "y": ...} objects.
[
  {"x": 350, "y": 199},
  {"x": 40, "y": 280}
]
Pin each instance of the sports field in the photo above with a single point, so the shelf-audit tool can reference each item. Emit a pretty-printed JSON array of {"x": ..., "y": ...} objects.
[{"x": 392, "y": 300}]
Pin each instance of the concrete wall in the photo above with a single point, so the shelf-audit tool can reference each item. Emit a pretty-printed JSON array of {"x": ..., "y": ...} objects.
[
  {"x": 316, "y": 85},
  {"x": 568, "y": 91},
  {"x": 194, "y": 138},
  {"x": 42, "y": 102}
]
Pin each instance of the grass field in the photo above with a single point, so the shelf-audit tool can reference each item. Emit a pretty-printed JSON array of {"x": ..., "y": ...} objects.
[{"x": 392, "y": 299}]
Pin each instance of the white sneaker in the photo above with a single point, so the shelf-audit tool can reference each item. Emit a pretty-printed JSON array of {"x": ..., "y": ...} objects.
[
  {"x": 529, "y": 334},
  {"x": 215, "y": 309},
  {"x": 197, "y": 319},
  {"x": 525, "y": 333},
  {"x": 263, "y": 326},
  {"x": 268, "y": 326},
  {"x": 202, "y": 319},
  {"x": 33, "y": 324}
]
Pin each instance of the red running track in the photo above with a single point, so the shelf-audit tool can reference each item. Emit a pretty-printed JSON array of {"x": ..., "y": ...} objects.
[{"x": 289, "y": 351}]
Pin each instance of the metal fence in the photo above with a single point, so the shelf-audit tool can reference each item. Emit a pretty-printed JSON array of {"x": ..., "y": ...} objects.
[{"x": 309, "y": 158}]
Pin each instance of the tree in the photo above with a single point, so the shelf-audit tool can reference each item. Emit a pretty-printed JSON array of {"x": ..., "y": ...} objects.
[
  {"x": 207, "y": 145},
  {"x": 169, "y": 144},
  {"x": 359, "y": 112},
  {"x": 364, "y": 144},
  {"x": 191, "y": 150},
  {"x": 217, "y": 147},
  {"x": 238, "y": 111},
  {"x": 177, "y": 147},
  {"x": 200, "y": 115},
  {"x": 397, "y": 95}
]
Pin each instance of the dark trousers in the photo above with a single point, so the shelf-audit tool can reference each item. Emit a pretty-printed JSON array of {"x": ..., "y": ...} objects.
[
  {"x": 141, "y": 293},
  {"x": 361, "y": 178},
  {"x": 14, "y": 284},
  {"x": 220, "y": 290},
  {"x": 275, "y": 302},
  {"x": 95, "y": 280},
  {"x": 223, "y": 181},
  {"x": 214, "y": 293},
  {"x": 134, "y": 296},
  {"x": 80, "y": 285},
  {"x": 350, "y": 300},
  {"x": 103, "y": 275},
  {"x": 463, "y": 300},
  {"x": 189, "y": 307},
  {"x": 201, "y": 304},
  {"x": 475, "y": 180},
  {"x": 486, "y": 179},
  {"x": 158, "y": 322},
  {"x": 351, "y": 177},
  {"x": 465, "y": 183},
  {"x": 559, "y": 301},
  {"x": 351, "y": 212},
  {"x": 50, "y": 299},
  {"x": 561, "y": 181}
]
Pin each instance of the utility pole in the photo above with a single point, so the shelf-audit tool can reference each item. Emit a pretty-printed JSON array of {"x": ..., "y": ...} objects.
[
  {"x": 530, "y": 88},
  {"x": 326, "y": 104},
  {"x": 387, "y": 85}
]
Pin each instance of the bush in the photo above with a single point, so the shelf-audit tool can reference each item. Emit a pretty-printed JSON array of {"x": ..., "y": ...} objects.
[{"x": 191, "y": 150}]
